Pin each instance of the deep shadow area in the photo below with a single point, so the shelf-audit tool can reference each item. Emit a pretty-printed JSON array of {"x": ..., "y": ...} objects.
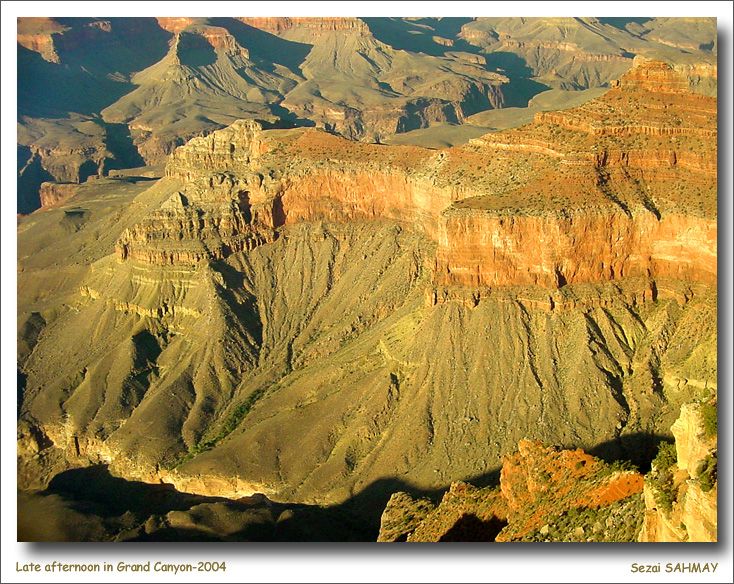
[
  {"x": 97, "y": 58},
  {"x": 137, "y": 511},
  {"x": 470, "y": 528},
  {"x": 120, "y": 143},
  {"x": 120, "y": 44},
  {"x": 278, "y": 212},
  {"x": 265, "y": 49},
  {"x": 621, "y": 22},
  {"x": 195, "y": 51},
  {"x": 21, "y": 380},
  {"x": 29, "y": 180},
  {"x": 94, "y": 488},
  {"x": 86, "y": 169},
  {"x": 53, "y": 90},
  {"x": 134, "y": 179},
  {"x": 639, "y": 448},
  {"x": 244, "y": 307},
  {"x": 286, "y": 120},
  {"x": 521, "y": 88},
  {"x": 416, "y": 35}
]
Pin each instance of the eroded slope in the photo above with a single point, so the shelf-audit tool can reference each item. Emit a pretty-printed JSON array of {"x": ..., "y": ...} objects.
[{"x": 290, "y": 312}]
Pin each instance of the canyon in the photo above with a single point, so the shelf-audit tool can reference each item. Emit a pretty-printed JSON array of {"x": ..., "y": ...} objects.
[
  {"x": 129, "y": 91},
  {"x": 285, "y": 324}
]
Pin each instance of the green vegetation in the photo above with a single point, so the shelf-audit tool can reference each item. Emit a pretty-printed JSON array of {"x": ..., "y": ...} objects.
[
  {"x": 623, "y": 466},
  {"x": 618, "y": 522},
  {"x": 709, "y": 415},
  {"x": 661, "y": 477},
  {"x": 707, "y": 472},
  {"x": 230, "y": 424}
]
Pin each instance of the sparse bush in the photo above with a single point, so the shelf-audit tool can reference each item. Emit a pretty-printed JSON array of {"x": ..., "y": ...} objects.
[
  {"x": 661, "y": 476},
  {"x": 707, "y": 472},
  {"x": 626, "y": 465},
  {"x": 229, "y": 426},
  {"x": 709, "y": 415}
]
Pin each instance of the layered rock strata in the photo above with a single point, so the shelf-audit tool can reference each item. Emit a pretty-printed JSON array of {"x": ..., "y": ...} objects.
[
  {"x": 566, "y": 200},
  {"x": 282, "y": 280}
]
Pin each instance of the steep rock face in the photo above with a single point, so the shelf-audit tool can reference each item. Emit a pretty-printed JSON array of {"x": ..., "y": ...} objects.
[
  {"x": 482, "y": 249},
  {"x": 700, "y": 513},
  {"x": 681, "y": 500},
  {"x": 596, "y": 155},
  {"x": 72, "y": 165},
  {"x": 40, "y": 43},
  {"x": 277, "y": 25},
  {"x": 56, "y": 193},
  {"x": 225, "y": 150},
  {"x": 188, "y": 229},
  {"x": 661, "y": 77},
  {"x": 692, "y": 444}
]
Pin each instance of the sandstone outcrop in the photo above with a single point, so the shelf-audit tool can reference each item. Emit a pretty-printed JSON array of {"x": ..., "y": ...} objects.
[
  {"x": 681, "y": 490},
  {"x": 56, "y": 193}
]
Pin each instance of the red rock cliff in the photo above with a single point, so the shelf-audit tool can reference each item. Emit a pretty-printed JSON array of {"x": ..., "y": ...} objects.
[{"x": 560, "y": 201}]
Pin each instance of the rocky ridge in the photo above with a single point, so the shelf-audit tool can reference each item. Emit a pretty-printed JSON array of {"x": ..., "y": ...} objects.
[
  {"x": 542, "y": 493},
  {"x": 546, "y": 494}
]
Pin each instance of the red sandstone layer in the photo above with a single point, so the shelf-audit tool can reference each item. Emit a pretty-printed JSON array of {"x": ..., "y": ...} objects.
[{"x": 576, "y": 197}]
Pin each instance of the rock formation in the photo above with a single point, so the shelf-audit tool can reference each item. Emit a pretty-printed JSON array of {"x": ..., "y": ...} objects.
[
  {"x": 162, "y": 81},
  {"x": 618, "y": 216},
  {"x": 681, "y": 491},
  {"x": 545, "y": 494}
]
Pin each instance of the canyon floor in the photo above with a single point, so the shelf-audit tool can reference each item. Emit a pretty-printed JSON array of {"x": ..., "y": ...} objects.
[{"x": 455, "y": 305}]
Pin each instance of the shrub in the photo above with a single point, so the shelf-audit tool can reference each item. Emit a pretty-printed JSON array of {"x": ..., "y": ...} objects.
[
  {"x": 709, "y": 415},
  {"x": 707, "y": 472},
  {"x": 661, "y": 476},
  {"x": 666, "y": 457}
]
